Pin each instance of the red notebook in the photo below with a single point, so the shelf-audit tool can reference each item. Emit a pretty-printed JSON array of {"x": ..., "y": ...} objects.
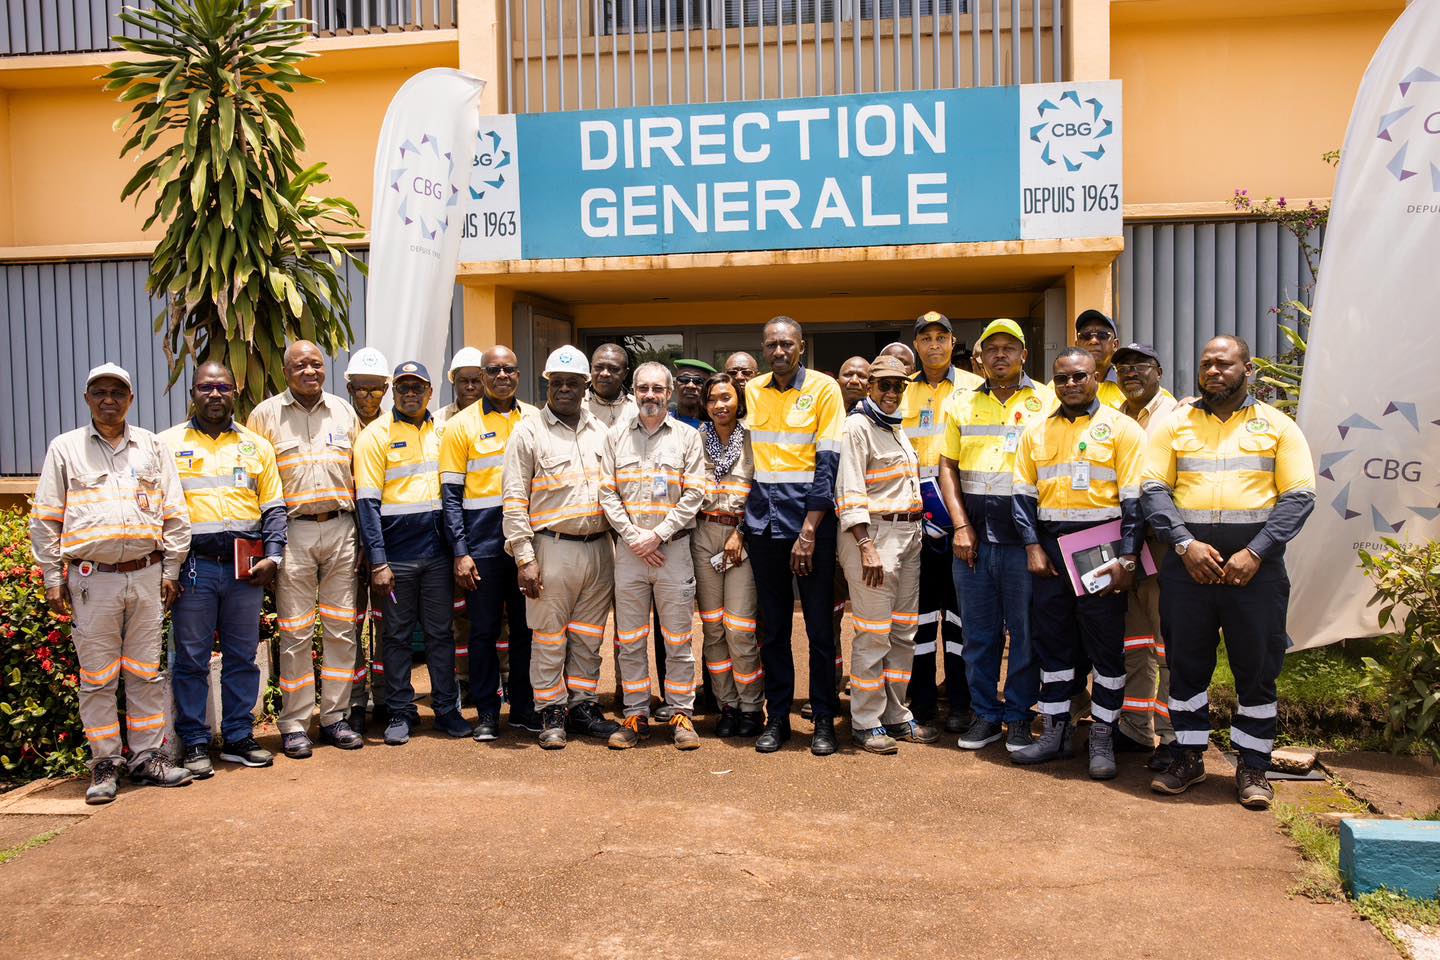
[{"x": 247, "y": 554}]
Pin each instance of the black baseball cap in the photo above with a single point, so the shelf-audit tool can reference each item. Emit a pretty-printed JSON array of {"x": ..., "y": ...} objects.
[
  {"x": 932, "y": 318},
  {"x": 1139, "y": 350},
  {"x": 1092, "y": 314}
]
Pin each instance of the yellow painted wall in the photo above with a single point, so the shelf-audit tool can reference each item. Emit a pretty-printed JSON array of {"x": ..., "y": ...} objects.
[
  {"x": 65, "y": 177},
  {"x": 1213, "y": 103},
  {"x": 813, "y": 310}
]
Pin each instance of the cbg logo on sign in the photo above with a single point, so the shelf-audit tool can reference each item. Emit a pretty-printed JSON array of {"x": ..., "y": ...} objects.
[
  {"x": 1393, "y": 481},
  {"x": 1070, "y": 160},
  {"x": 1413, "y": 125},
  {"x": 492, "y": 217},
  {"x": 425, "y": 180}
]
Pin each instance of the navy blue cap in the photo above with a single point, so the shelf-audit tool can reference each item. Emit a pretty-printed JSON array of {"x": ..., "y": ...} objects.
[{"x": 412, "y": 368}]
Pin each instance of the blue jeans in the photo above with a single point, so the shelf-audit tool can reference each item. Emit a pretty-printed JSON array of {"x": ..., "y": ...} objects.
[
  {"x": 993, "y": 596},
  {"x": 424, "y": 593},
  {"x": 212, "y": 602}
]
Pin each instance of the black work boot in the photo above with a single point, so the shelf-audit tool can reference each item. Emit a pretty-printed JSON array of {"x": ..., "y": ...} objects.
[
  {"x": 552, "y": 727},
  {"x": 729, "y": 723},
  {"x": 585, "y": 717},
  {"x": 1187, "y": 768}
]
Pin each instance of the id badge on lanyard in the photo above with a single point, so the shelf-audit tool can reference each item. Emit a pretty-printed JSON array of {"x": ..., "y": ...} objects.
[
  {"x": 1012, "y": 439},
  {"x": 1080, "y": 472},
  {"x": 660, "y": 487}
]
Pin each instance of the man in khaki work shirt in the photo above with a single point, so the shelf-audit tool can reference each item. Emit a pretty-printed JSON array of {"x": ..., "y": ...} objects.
[
  {"x": 556, "y": 532},
  {"x": 313, "y": 432},
  {"x": 652, "y": 485},
  {"x": 109, "y": 529}
]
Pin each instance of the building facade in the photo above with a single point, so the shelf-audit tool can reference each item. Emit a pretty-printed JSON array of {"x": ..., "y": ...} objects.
[{"x": 1216, "y": 97}]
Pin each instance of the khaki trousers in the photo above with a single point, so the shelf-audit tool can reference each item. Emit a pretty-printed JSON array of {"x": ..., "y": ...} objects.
[
  {"x": 886, "y": 619},
  {"x": 670, "y": 589},
  {"x": 727, "y": 620},
  {"x": 117, "y": 628},
  {"x": 567, "y": 620},
  {"x": 1147, "y": 675},
  {"x": 318, "y": 576}
]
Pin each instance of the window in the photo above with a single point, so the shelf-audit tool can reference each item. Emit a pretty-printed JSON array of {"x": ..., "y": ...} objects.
[{"x": 663, "y": 15}]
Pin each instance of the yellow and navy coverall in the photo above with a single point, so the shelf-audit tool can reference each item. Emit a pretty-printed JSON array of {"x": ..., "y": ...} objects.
[
  {"x": 923, "y": 410},
  {"x": 1245, "y": 483},
  {"x": 795, "y": 440},
  {"x": 472, "y": 459},
  {"x": 397, "y": 498},
  {"x": 1071, "y": 475},
  {"x": 232, "y": 491}
]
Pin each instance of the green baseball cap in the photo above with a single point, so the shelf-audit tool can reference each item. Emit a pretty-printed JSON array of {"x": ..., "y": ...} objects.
[{"x": 1002, "y": 326}]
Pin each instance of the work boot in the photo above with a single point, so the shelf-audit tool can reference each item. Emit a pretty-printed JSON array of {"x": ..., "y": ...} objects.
[
  {"x": 585, "y": 717},
  {"x": 552, "y": 728},
  {"x": 1054, "y": 743},
  {"x": 913, "y": 732},
  {"x": 980, "y": 733},
  {"x": 357, "y": 720},
  {"x": 339, "y": 734},
  {"x": 452, "y": 724},
  {"x": 822, "y": 741},
  {"x": 663, "y": 713},
  {"x": 729, "y": 722},
  {"x": 197, "y": 761},
  {"x": 876, "y": 740},
  {"x": 1124, "y": 743},
  {"x": 752, "y": 722},
  {"x": 525, "y": 718},
  {"x": 487, "y": 727},
  {"x": 104, "y": 782},
  {"x": 1102, "y": 752},
  {"x": 773, "y": 737},
  {"x": 158, "y": 771},
  {"x": 683, "y": 733},
  {"x": 1253, "y": 789},
  {"x": 246, "y": 752},
  {"x": 296, "y": 745},
  {"x": 1160, "y": 759},
  {"x": 959, "y": 721},
  {"x": 397, "y": 731},
  {"x": 632, "y": 730},
  {"x": 1187, "y": 768},
  {"x": 807, "y": 711}
]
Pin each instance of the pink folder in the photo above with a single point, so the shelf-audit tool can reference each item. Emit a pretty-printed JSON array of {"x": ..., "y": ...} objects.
[{"x": 1073, "y": 543}]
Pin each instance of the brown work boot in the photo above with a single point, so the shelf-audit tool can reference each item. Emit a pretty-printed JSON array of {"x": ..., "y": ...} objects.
[
  {"x": 552, "y": 732},
  {"x": 632, "y": 731},
  {"x": 683, "y": 729},
  {"x": 1252, "y": 788}
]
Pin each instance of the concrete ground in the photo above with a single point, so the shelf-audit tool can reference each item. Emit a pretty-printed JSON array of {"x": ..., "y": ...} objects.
[{"x": 449, "y": 848}]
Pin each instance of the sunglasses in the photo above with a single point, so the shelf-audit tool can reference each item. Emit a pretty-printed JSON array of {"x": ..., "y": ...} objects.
[
  {"x": 690, "y": 380},
  {"x": 890, "y": 385},
  {"x": 1061, "y": 379},
  {"x": 1099, "y": 335},
  {"x": 495, "y": 369}
]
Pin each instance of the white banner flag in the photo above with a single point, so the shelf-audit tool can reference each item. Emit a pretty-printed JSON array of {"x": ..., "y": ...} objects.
[
  {"x": 1370, "y": 405},
  {"x": 422, "y": 175}
]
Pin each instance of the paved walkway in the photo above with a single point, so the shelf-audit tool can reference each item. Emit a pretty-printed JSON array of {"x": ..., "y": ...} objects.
[{"x": 454, "y": 849}]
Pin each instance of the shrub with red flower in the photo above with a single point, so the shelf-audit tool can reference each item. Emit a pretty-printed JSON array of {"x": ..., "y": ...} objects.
[{"x": 40, "y": 731}]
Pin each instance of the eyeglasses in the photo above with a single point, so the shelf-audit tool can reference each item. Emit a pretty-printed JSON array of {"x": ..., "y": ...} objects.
[
  {"x": 1124, "y": 368},
  {"x": 223, "y": 389},
  {"x": 1100, "y": 336},
  {"x": 495, "y": 369},
  {"x": 1061, "y": 379},
  {"x": 380, "y": 390}
]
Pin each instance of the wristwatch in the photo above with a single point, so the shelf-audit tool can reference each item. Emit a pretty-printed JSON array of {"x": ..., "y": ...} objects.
[
  {"x": 1128, "y": 565},
  {"x": 1183, "y": 545}
]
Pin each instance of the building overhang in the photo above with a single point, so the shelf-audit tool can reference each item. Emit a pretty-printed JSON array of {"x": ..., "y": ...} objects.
[{"x": 990, "y": 267}]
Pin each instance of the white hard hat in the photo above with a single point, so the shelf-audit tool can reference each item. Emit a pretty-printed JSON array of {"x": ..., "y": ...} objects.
[
  {"x": 367, "y": 362},
  {"x": 567, "y": 359},
  {"x": 465, "y": 357},
  {"x": 109, "y": 370}
]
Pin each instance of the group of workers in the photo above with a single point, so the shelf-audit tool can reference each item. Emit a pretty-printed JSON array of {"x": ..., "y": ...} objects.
[{"x": 937, "y": 499}]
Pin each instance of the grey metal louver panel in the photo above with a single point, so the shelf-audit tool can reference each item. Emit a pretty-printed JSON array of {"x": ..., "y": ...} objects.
[
  {"x": 57, "y": 320},
  {"x": 1180, "y": 283}
]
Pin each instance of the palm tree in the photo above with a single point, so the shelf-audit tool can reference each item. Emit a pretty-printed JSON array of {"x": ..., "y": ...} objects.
[{"x": 249, "y": 261}]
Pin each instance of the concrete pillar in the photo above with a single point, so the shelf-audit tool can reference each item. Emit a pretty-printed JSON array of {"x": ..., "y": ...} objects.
[
  {"x": 484, "y": 51},
  {"x": 1087, "y": 286},
  {"x": 488, "y": 315},
  {"x": 1086, "y": 38}
]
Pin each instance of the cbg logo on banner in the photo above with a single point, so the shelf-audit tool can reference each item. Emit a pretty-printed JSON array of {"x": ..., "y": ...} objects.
[{"x": 424, "y": 177}]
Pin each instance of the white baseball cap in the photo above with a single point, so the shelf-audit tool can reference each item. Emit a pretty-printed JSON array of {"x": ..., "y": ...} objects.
[
  {"x": 367, "y": 362},
  {"x": 465, "y": 357},
  {"x": 109, "y": 370},
  {"x": 567, "y": 359}
]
